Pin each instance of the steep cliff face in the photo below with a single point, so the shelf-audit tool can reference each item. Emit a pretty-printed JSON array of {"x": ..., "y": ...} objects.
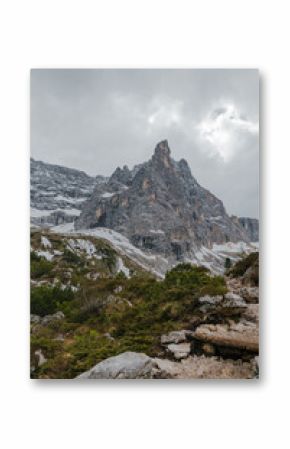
[{"x": 161, "y": 207}]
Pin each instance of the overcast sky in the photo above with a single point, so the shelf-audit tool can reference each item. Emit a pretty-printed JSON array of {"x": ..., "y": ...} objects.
[{"x": 96, "y": 120}]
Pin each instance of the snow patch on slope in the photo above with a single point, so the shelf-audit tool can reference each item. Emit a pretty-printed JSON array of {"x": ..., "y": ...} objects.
[
  {"x": 84, "y": 245},
  {"x": 121, "y": 268},
  {"x": 46, "y": 254},
  {"x": 212, "y": 258}
]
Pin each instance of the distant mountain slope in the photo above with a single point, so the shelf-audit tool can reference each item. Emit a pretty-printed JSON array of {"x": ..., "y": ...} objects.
[
  {"x": 57, "y": 193},
  {"x": 251, "y": 227}
]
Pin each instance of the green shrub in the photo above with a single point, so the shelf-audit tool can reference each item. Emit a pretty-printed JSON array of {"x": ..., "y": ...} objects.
[
  {"x": 39, "y": 266},
  {"x": 239, "y": 269},
  {"x": 46, "y": 300},
  {"x": 34, "y": 257},
  {"x": 109, "y": 257},
  {"x": 186, "y": 275},
  {"x": 228, "y": 263},
  {"x": 71, "y": 257}
]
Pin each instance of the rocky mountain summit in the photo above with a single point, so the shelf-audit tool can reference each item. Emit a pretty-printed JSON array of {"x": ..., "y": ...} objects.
[
  {"x": 161, "y": 208},
  {"x": 57, "y": 193}
]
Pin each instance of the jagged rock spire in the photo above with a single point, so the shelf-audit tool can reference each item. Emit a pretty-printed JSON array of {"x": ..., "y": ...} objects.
[
  {"x": 161, "y": 154},
  {"x": 162, "y": 148},
  {"x": 163, "y": 210}
]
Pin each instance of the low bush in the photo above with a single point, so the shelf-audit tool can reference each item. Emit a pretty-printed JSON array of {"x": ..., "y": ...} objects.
[
  {"x": 46, "y": 300},
  {"x": 240, "y": 267},
  {"x": 39, "y": 266},
  {"x": 71, "y": 258}
]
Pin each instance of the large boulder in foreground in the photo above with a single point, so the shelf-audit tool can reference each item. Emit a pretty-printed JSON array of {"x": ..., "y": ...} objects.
[{"x": 128, "y": 365}]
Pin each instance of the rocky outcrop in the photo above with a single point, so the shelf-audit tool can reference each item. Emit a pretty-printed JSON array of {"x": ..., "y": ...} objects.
[
  {"x": 218, "y": 309},
  {"x": 161, "y": 208},
  {"x": 229, "y": 340},
  {"x": 228, "y": 301},
  {"x": 222, "y": 325}
]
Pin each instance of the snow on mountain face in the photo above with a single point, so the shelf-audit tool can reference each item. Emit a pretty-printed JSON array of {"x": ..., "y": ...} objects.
[{"x": 57, "y": 193}]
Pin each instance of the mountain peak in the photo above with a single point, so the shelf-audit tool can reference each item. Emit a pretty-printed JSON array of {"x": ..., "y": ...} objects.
[
  {"x": 162, "y": 210},
  {"x": 162, "y": 149},
  {"x": 161, "y": 155}
]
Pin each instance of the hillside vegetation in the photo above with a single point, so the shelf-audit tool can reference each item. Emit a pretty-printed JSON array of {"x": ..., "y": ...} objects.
[{"x": 109, "y": 304}]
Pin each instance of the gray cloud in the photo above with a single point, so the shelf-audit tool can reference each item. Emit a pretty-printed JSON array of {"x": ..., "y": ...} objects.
[{"x": 95, "y": 120}]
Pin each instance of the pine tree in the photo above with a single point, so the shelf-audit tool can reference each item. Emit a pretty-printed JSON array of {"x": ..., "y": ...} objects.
[{"x": 228, "y": 263}]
